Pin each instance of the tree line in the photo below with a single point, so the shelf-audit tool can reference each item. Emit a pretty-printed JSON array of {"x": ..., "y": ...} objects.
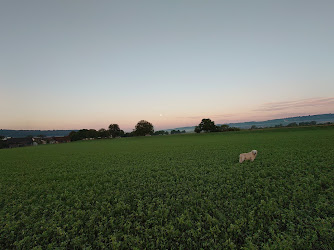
[
  {"x": 294, "y": 124},
  {"x": 206, "y": 125},
  {"x": 142, "y": 128}
]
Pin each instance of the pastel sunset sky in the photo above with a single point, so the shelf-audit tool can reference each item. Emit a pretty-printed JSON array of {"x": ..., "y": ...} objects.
[{"x": 86, "y": 64}]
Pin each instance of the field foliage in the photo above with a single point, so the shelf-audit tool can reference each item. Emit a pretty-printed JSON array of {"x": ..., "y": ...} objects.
[{"x": 181, "y": 191}]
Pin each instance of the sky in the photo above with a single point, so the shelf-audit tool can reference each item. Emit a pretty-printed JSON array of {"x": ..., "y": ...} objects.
[{"x": 86, "y": 64}]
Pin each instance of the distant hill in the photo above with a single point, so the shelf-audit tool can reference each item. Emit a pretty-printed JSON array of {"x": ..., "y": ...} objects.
[
  {"x": 285, "y": 121},
  {"x": 271, "y": 123},
  {"x": 25, "y": 133}
]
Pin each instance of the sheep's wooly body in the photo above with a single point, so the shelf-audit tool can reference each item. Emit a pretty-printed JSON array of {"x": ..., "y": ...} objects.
[{"x": 248, "y": 156}]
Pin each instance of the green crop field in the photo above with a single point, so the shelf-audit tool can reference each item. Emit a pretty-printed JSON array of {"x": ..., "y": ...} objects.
[{"x": 183, "y": 191}]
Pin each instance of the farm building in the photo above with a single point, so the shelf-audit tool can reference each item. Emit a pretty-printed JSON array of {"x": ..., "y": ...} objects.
[{"x": 61, "y": 139}]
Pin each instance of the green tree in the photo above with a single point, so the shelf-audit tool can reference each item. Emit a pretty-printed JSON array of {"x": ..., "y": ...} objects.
[
  {"x": 82, "y": 134},
  {"x": 224, "y": 128},
  {"x": 161, "y": 132},
  {"x": 103, "y": 133},
  {"x": 292, "y": 124},
  {"x": 131, "y": 134},
  {"x": 144, "y": 128},
  {"x": 93, "y": 133},
  {"x": 177, "y": 132},
  {"x": 114, "y": 130},
  {"x": 2, "y": 142},
  {"x": 206, "y": 125},
  {"x": 74, "y": 136},
  {"x": 197, "y": 129},
  {"x": 233, "y": 129}
]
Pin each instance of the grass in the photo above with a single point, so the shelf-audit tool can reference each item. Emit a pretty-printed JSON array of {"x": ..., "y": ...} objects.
[{"x": 182, "y": 191}]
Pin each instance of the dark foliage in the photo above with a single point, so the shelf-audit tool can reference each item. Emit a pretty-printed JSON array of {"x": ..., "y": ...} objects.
[
  {"x": 161, "y": 132},
  {"x": 144, "y": 128},
  {"x": 226, "y": 128},
  {"x": 177, "y": 132},
  {"x": 114, "y": 130},
  {"x": 131, "y": 134},
  {"x": 103, "y": 133},
  {"x": 292, "y": 124},
  {"x": 312, "y": 123},
  {"x": 206, "y": 125},
  {"x": 83, "y": 134}
]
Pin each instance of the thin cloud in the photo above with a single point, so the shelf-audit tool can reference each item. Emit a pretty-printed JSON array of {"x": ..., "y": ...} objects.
[
  {"x": 304, "y": 103},
  {"x": 206, "y": 116}
]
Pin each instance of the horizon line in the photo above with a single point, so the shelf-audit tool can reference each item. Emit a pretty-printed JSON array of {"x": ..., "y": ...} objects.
[{"x": 174, "y": 127}]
